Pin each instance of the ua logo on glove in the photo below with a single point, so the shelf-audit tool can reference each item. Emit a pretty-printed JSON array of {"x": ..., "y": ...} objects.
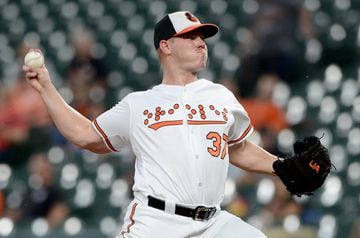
[{"x": 314, "y": 166}]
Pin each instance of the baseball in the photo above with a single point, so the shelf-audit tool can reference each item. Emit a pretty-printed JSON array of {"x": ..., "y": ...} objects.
[{"x": 34, "y": 59}]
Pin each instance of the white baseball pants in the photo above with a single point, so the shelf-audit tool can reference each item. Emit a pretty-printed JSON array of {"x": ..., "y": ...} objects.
[{"x": 142, "y": 221}]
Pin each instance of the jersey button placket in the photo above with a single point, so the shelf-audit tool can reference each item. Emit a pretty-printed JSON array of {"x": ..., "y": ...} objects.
[{"x": 193, "y": 143}]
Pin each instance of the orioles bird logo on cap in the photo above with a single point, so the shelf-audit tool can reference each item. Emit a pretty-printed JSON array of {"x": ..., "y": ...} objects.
[{"x": 191, "y": 17}]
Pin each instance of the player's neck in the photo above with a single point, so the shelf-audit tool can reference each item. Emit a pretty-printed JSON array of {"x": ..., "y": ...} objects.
[{"x": 178, "y": 78}]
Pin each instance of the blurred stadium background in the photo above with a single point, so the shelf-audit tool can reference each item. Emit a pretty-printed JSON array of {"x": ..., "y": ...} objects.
[{"x": 324, "y": 101}]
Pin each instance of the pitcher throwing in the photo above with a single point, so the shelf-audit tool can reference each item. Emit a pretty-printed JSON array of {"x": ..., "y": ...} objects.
[{"x": 184, "y": 133}]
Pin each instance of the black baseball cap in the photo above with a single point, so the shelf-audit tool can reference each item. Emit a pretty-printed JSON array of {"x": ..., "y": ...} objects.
[{"x": 178, "y": 23}]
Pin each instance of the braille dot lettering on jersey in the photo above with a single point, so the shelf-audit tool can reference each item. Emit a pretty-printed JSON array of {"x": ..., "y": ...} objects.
[{"x": 196, "y": 115}]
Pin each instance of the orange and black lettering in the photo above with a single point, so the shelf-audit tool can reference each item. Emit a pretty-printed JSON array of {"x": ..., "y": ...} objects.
[{"x": 315, "y": 166}]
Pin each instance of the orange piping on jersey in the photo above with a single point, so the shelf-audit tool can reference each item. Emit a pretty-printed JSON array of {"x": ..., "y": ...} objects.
[
  {"x": 107, "y": 141},
  {"x": 158, "y": 125},
  {"x": 193, "y": 122},
  {"x": 131, "y": 217},
  {"x": 242, "y": 136}
]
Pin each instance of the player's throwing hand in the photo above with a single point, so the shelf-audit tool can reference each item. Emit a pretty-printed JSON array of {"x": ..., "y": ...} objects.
[{"x": 38, "y": 76}]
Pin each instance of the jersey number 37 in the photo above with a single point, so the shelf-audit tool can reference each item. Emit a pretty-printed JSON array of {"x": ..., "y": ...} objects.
[{"x": 219, "y": 144}]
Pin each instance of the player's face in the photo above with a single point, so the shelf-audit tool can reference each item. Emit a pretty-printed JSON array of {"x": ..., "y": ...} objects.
[{"x": 190, "y": 51}]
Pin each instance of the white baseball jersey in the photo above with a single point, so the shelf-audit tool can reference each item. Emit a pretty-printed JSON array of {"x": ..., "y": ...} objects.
[{"x": 180, "y": 136}]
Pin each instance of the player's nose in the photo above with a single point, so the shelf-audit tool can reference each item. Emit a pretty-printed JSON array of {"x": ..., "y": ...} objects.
[{"x": 200, "y": 42}]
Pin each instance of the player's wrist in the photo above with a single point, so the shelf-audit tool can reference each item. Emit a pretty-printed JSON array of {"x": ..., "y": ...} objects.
[{"x": 46, "y": 88}]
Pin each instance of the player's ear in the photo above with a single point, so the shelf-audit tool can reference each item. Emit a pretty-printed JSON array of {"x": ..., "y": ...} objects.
[{"x": 164, "y": 47}]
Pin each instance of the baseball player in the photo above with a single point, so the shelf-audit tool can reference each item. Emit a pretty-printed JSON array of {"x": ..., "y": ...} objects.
[{"x": 184, "y": 132}]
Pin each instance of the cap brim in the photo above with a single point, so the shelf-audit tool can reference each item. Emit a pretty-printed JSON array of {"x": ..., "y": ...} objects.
[{"x": 208, "y": 30}]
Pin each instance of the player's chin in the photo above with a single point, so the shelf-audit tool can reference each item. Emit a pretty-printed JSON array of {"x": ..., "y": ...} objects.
[
  {"x": 202, "y": 63},
  {"x": 199, "y": 68}
]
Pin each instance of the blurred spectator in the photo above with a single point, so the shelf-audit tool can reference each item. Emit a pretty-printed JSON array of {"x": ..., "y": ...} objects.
[
  {"x": 239, "y": 206},
  {"x": 243, "y": 203},
  {"x": 266, "y": 117},
  {"x": 14, "y": 130},
  {"x": 87, "y": 61},
  {"x": 263, "y": 112},
  {"x": 43, "y": 198},
  {"x": 274, "y": 214},
  {"x": 24, "y": 100},
  {"x": 278, "y": 30},
  {"x": 281, "y": 205},
  {"x": 87, "y": 72}
]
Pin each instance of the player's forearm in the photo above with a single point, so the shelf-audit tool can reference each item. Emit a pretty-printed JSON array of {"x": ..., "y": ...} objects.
[
  {"x": 72, "y": 125},
  {"x": 251, "y": 157}
]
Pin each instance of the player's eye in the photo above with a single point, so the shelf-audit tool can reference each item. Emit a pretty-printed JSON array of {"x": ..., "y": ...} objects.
[{"x": 193, "y": 36}]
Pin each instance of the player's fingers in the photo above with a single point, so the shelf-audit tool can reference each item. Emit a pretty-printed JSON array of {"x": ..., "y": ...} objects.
[
  {"x": 29, "y": 72},
  {"x": 31, "y": 75},
  {"x": 26, "y": 68},
  {"x": 41, "y": 69}
]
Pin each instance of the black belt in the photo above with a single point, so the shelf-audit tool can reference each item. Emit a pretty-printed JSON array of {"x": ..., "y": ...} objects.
[{"x": 200, "y": 213}]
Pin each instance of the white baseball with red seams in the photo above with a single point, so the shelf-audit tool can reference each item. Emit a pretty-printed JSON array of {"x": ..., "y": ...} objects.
[
  {"x": 34, "y": 59},
  {"x": 180, "y": 136}
]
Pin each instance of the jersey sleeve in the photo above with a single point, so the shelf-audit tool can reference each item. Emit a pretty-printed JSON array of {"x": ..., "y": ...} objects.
[
  {"x": 114, "y": 125},
  {"x": 241, "y": 128}
]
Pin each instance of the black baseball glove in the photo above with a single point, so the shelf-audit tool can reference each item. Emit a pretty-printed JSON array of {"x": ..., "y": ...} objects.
[{"x": 306, "y": 170}]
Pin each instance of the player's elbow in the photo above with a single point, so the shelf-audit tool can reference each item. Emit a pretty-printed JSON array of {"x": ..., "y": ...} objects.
[
  {"x": 242, "y": 156},
  {"x": 95, "y": 147},
  {"x": 98, "y": 149},
  {"x": 93, "y": 143}
]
